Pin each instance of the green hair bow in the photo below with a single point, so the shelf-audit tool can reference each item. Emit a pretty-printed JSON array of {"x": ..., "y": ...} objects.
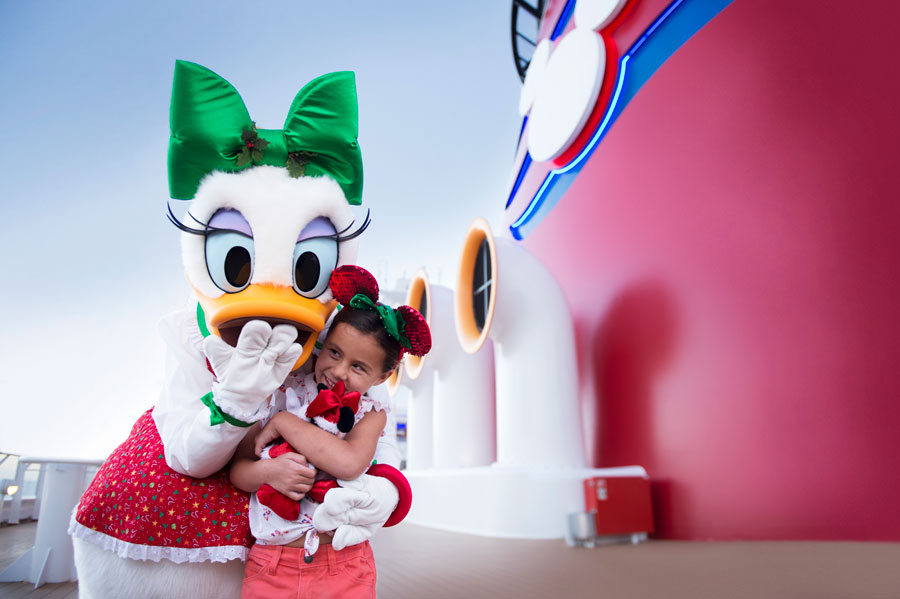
[
  {"x": 212, "y": 131},
  {"x": 391, "y": 319}
]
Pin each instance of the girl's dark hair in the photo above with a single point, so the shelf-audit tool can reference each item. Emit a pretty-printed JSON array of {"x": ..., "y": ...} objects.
[{"x": 370, "y": 323}]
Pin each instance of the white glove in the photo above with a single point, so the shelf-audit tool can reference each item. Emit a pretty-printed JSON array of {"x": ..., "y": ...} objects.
[
  {"x": 249, "y": 373},
  {"x": 356, "y": 509}
]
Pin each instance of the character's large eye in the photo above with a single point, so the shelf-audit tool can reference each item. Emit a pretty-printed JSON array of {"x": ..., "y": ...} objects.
[
  {"x": 314, "y": 259},
  {"x": 229, "y": 259}
]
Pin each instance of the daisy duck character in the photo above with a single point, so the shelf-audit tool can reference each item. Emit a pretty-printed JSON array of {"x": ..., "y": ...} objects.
[{"x": 269, "y": 221}]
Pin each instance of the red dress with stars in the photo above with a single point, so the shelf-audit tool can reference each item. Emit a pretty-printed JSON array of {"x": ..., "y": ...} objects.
[{"x": 140, "y": 508}]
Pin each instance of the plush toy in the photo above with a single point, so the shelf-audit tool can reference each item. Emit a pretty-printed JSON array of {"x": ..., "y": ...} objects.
[
  {"x": 332, "y": 410},
  {"x": 269, "y": 221}
]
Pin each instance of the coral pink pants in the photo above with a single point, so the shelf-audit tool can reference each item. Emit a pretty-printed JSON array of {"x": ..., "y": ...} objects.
[{"x": 274, "y": 572}]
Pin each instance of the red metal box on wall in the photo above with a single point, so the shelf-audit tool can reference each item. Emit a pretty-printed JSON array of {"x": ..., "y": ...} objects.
[{"x": 622, "y": 504}]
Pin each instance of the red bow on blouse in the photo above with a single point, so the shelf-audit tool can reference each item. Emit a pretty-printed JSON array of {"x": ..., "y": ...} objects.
[{"x": 336, "y": 406}]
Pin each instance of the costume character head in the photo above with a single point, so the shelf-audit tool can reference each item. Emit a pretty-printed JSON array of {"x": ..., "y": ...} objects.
[{"x": 270, "y": 216}]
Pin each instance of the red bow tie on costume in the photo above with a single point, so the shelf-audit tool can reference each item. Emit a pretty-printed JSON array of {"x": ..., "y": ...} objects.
[{"x": 335, "y": 406}]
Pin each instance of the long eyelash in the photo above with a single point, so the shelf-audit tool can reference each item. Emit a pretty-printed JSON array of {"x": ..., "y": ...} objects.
[
  {"x": 339, "y": 236},
  {"x": 186, "y": 228},
  {"x": 206, "y": 230}
]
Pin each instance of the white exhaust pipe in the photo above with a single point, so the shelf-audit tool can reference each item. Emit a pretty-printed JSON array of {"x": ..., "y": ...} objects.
[
  {"x": 464, "y": 413},
  {"x": 419, "y": 415},
  {"x": 505, "y": 294}
]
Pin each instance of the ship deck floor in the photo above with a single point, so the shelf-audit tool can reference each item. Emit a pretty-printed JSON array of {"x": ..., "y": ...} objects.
[{"x": 416, "y": 563}]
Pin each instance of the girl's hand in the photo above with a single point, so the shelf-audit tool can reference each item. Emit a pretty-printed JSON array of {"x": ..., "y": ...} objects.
[
  {"x": 290, "y": 474},
  {"x": 267, "y": 435}
]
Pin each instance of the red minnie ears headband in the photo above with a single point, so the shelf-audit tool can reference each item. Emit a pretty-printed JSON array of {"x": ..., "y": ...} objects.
[{"x": 356, "y": 287}]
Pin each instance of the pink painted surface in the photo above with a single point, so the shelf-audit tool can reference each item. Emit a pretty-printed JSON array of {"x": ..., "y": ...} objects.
[{"x": 730, "y": 254}]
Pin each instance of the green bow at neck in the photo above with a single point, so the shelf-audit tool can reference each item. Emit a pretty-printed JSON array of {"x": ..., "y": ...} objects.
[
  {"x": 212, "y": 131},
  {"x": 393, "y": 322}
]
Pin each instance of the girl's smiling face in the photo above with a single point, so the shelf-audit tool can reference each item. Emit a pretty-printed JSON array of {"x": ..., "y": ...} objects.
[{"x": 351, "y": 356}]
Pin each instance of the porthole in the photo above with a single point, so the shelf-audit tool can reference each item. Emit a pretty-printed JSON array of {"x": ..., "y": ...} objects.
[
  {"x": 476, "y": 290},
  {"x": 417, "y": 297}
]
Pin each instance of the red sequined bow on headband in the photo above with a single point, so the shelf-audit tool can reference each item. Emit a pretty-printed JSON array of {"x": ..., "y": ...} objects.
[
  {"x": 404, "y": 324},
  {"x": 335, "y": 406}
]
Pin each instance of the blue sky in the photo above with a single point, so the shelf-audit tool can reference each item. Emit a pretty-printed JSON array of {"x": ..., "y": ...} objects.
[{"x": 91, "y": 263}]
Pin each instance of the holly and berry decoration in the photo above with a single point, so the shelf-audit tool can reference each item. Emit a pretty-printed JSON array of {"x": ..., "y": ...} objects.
[
  {"x": 252, "y": 150},
  {"x": 296, "y": 163}
]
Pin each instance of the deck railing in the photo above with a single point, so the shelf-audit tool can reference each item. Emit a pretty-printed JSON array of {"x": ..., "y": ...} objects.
[
  {"x": 28, "y": 477},
  {"x": 50, "y": 559}
]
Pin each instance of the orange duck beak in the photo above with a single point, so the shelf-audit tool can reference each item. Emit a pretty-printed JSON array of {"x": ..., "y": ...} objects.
[{"x": 226, "y": 315}]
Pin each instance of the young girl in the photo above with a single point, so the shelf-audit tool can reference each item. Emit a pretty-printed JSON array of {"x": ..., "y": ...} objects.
[{"x": 331, "y": 422}]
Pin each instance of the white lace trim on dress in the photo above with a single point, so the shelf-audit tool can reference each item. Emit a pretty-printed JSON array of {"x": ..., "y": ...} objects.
[{"x": 179, "y": 555}]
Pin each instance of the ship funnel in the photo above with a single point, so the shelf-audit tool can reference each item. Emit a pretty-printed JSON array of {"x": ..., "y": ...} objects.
[
  {"x": 464, "y": 415},
  {"x": 506, "y": 295}
]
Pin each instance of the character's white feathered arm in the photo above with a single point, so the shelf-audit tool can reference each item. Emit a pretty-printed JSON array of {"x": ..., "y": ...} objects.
[{"x": 192, "y": 446}]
